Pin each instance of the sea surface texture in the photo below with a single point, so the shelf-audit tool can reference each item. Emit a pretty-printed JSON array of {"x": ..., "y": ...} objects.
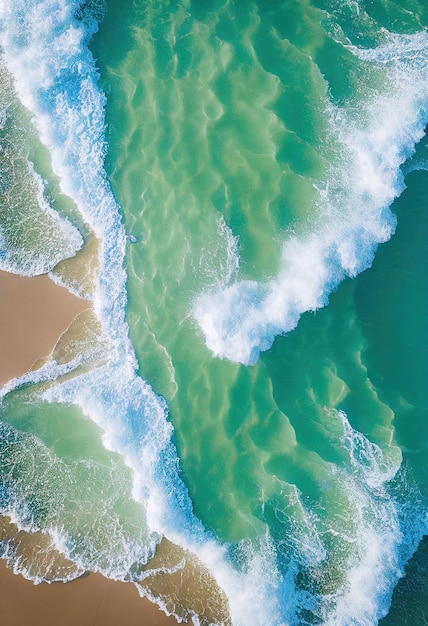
[{"x": 241, "y": 428}]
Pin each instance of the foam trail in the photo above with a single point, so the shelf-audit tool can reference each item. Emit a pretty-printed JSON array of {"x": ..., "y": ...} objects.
[
  {"x": 55, "y": 234},
  {"x": 242, "y": 319},
  {"x": 59, "y": 498},
  {"x": 142, "y": 437}
]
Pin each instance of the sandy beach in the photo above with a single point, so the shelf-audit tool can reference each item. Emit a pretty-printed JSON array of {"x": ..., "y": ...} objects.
[{"x": 34, "y": 312}]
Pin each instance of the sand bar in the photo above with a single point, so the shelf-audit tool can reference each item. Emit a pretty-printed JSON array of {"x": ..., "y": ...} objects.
[{"x": 34, "y": 312}]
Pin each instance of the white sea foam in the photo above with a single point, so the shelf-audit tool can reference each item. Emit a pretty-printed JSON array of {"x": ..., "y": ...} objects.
[
  {"x": 143, "y": 440},
  {"x": 241, "y": 319}
]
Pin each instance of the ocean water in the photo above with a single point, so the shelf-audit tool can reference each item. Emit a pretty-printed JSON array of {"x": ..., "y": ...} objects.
[{"x": 241, "y": 426}]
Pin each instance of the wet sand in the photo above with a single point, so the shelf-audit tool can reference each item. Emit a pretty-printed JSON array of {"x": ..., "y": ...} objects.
[
  {"x": 88, "y": 601},
  {"x": 34, "y": 312}
]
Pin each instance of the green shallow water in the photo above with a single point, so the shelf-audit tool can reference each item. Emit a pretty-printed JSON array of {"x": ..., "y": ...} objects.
[{"x": 219, "y": 114}]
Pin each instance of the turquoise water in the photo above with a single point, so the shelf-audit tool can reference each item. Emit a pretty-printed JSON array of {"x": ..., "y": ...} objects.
[{"x": 255, "y": 174}]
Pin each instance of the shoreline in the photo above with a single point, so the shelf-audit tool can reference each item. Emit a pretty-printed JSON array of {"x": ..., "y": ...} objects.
[{"x": 91, "y": 600}]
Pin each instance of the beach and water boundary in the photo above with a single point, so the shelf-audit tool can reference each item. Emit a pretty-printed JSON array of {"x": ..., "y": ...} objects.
[
  {"x": 263, "y": 455},
  {"x": 34, "y": 312}
]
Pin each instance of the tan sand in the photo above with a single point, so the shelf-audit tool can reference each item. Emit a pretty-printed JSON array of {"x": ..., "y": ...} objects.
[
  {"x": 88, "y": 601},
  {"x": 34, "y": 312}
]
